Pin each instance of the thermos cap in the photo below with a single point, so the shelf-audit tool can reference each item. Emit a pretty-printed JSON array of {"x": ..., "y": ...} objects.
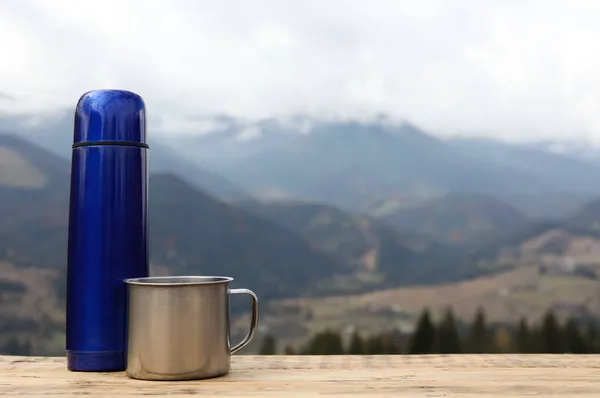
[{"x": 110, "y": 117}]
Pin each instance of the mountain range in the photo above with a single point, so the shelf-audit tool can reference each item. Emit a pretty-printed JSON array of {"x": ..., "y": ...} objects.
[
  {"x": 56, "y": 136},
  {"x": 304, "y": 208},
  {"x": 190, "y": 230},
  {"x": 354, "y": 165}
]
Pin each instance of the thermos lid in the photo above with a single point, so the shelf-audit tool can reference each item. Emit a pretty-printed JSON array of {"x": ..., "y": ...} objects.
[{"x": 110, "y": 117}]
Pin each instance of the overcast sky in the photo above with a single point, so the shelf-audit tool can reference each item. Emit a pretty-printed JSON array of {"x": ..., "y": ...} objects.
[{"x": 500, "y": 68}]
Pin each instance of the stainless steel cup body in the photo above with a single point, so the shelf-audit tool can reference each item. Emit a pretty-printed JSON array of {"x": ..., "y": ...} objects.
[{"x": 179, "y": 327}]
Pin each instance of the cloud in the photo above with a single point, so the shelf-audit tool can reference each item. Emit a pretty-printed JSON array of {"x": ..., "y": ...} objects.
[{"x": 510, "y": 69}]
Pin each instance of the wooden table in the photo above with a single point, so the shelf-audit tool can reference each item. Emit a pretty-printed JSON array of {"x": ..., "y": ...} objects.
[{"x": 312, "y": 376}]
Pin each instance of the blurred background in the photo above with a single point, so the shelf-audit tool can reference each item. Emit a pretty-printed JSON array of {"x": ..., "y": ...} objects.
[{"x": 388, "y": 176}]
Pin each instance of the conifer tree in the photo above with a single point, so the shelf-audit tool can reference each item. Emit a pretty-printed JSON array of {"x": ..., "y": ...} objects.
[
  {"x": 327, "y": 342},
  {"x": 268, "y": 346},
  {"x": 478, "y": 340},
  {"x": 524, "y": 341},
  {"x": 573, "y": 339},
  {"x": 550, "y": 335},
  {"x": 447, "y": 338},
  {"x": 423, "y": 337},
  {"x": 356, "y": 344},
  {"x": 591, "y": 338},
  {"x": 374, "y": 346}
]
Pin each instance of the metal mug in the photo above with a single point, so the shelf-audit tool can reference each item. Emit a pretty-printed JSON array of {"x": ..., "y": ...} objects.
[{"x": 179, "y": 327}]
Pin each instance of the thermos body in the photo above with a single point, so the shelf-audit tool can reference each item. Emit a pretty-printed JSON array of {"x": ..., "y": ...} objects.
[{"x": 108, "y": 227}]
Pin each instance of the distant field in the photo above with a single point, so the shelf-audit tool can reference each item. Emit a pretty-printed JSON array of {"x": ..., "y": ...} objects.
[
  {"x": 505, "y": 297},
  {"x": 16, "y": 171}
]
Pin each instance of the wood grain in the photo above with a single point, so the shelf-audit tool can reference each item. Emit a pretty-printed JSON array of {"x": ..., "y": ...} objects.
[{"x": 311, "y": 376}]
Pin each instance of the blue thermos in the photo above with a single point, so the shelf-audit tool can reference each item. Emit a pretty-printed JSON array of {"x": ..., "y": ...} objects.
[{"x": 108, "y": 226}]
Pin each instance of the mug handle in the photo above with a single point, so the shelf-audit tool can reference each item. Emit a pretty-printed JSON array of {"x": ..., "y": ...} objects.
[{"x": 254, "y": 321}]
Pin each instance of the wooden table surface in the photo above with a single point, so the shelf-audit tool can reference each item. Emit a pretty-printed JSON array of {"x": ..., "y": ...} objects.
[{"x": 312, "y": 376}]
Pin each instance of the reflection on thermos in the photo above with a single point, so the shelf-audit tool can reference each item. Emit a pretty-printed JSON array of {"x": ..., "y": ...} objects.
[{"x": 108, "y": 226}]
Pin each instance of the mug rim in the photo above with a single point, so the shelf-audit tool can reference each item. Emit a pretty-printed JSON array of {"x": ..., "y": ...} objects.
[{"x": 178, "y": 280}]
